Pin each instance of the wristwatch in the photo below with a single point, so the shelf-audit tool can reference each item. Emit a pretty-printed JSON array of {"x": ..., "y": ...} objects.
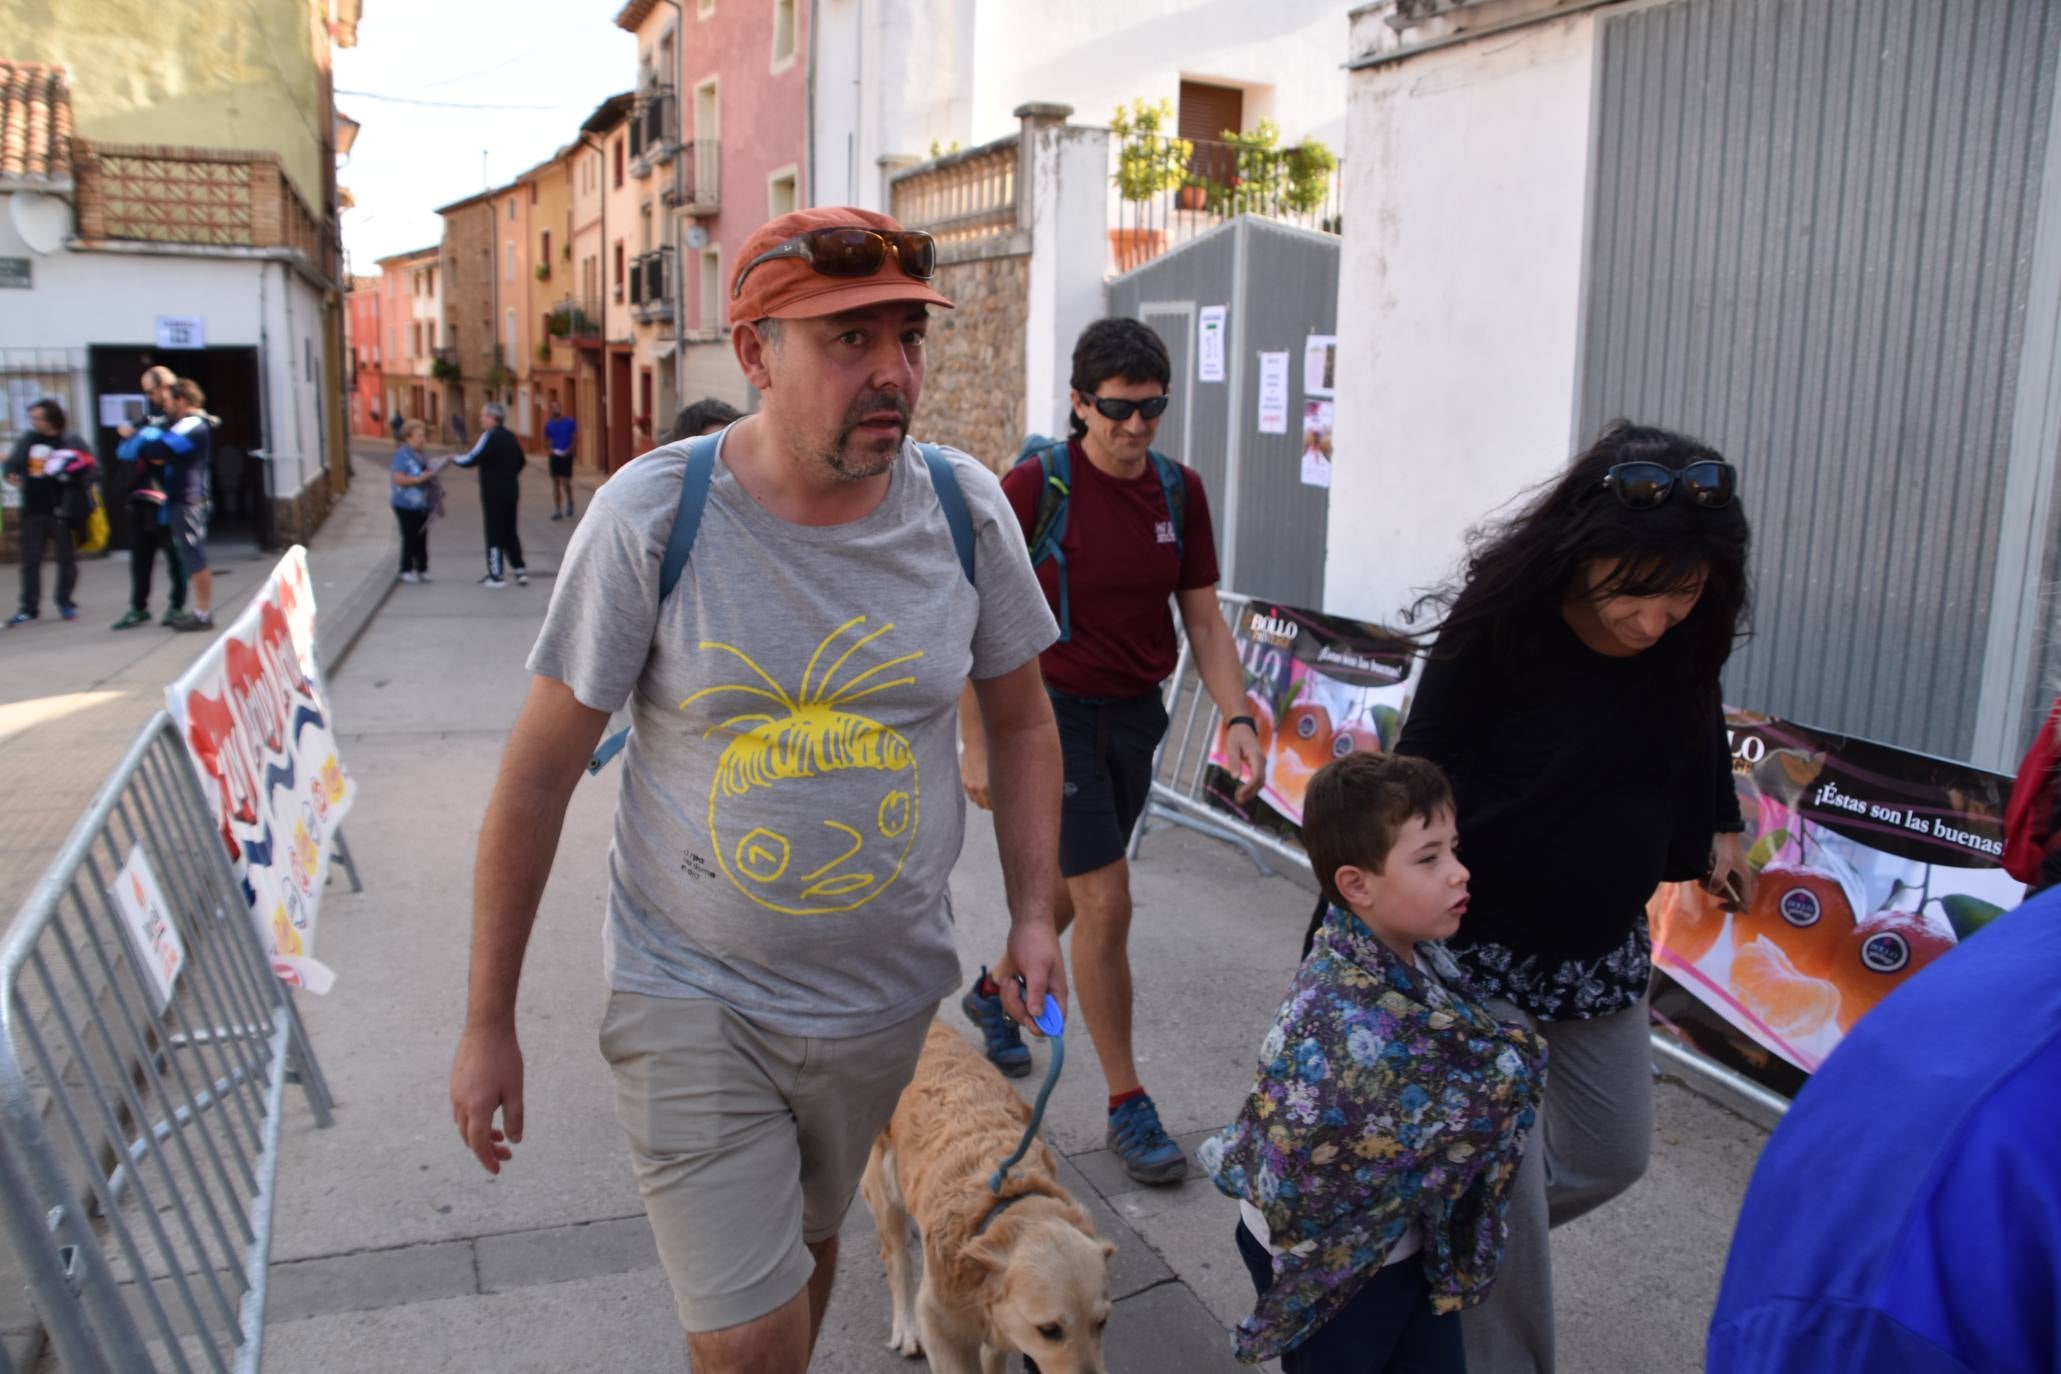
[{"x": 1247, "y": 721}]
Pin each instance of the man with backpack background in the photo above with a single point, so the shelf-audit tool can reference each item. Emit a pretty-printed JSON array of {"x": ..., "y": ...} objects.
[
  {"x": 1115, "y": 530},
  {"x": 789, "y": 608}
]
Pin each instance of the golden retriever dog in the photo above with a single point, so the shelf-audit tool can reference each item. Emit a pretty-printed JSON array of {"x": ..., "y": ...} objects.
[{"x": 1021, "y": 1272}]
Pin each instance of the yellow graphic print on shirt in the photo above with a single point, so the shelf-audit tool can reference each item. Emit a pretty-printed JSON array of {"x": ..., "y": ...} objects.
[{"x": 843, "y": 861}]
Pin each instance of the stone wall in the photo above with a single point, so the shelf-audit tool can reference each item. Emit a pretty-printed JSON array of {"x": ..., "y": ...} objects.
[
  {"x": 973, "y": 387},
  {"x": 296, "y": 518}
]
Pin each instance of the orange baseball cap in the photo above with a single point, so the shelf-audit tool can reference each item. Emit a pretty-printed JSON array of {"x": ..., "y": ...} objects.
[{"x": 790, "y": 289}]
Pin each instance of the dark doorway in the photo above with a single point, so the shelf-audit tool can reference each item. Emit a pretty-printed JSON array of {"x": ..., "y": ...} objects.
[
  {"x": 619, "y": 406},
  {"x": 229, "y": 378}
]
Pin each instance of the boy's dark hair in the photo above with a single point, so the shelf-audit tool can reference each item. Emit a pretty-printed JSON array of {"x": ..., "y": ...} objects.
[
  {"x": 1354, "y": 807},
  {"x": 695, "y": 419},
  {"x": 1117, "y": 347},
  {"x": 52, "y": 411}
]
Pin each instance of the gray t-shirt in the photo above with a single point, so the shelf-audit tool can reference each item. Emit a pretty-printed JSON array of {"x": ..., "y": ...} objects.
[{"x": 789, "y": 806}]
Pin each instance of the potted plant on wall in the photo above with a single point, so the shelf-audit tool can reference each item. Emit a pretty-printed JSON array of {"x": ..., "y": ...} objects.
[
  {"x": 442, "y": 369},
  {"x": 1309, "y": 166},
  {"x": 1149, "y": 163}
]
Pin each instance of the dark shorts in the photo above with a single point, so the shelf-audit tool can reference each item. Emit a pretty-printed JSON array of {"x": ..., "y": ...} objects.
[
  {"x": 189, "y": 530},
  {"x": 561, "y": 464},
  {"x": 1107, "y": 747}
]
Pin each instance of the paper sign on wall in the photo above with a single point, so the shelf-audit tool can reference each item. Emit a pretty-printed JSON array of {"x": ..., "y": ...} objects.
[
  {"x": 1316, "y": 443},
  {"x": 159, "y": 951},
  {"x": 1319, "y": 364},
  {"x": 1209, "y": 354},
  {"x": 182, "y": 331},
  {"x": 122, "y": 408},
  {"x": 1273, "y": 393}
]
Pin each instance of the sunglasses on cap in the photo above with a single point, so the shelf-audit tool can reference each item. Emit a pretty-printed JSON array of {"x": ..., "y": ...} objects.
[
  {"x": 1111, "y": 408},
  {"x": 1647, "y": 486},
  {"x": 852, "y": 251}
]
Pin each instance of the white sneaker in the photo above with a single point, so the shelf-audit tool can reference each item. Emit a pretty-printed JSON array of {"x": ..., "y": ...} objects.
[
  {"x": 422, "y": 577},
  {"x": 522, "y": 579},
  {"x": 410, "y": 577},
  {"x": 490, "y": 581}
]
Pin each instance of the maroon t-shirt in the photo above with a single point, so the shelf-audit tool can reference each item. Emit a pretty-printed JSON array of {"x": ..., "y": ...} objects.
[{"x": 1121, "y": 568}]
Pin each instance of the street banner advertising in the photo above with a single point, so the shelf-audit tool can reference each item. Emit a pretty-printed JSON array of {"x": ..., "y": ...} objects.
[
  {"x": 257, "y": 726},
  {"x": 1320, "y": 687},
  {"x": 159, "y": 950},
  {"x": 1871, "y": 863}
]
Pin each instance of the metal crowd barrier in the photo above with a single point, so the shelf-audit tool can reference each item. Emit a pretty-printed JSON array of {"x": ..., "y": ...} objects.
[
  {"x": 1179, "y": 770},
  {"x": 140, "y": 1127}
]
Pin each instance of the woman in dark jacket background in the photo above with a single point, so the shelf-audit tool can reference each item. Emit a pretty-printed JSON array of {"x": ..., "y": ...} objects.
[{"x": 1573, "y": 698}]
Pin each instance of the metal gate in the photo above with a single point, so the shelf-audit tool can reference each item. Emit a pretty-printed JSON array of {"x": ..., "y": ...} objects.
[
  {"x": 1279, "y": 285},
  {"x": 1823, "y": 237},
  {"x": 145, "y": 1051}
]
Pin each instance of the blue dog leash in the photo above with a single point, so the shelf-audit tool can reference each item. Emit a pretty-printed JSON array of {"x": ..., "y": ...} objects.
[{"x": 1052, "y": 1022}]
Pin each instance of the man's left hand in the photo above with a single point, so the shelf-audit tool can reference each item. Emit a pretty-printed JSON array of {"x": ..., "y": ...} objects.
[{"x": 1247, "y": 762}]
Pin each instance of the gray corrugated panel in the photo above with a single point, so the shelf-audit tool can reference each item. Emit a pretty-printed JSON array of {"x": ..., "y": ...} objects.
[
  {"x": 1290, "y": 292},
  {"x": 1811, "y": 243}
]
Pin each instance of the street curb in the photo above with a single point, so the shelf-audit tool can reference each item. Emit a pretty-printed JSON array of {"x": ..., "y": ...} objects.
[{"x": 347, "y": 621}]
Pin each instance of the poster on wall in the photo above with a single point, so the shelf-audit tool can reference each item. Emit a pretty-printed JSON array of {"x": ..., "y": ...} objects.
[
  {"x": 1319, "y": 364},
  {"x": 1871, "y": 862},
  {"x": 256, "y": 722},
  {"x": 1316, "y": 443},
  {"x": 1273, "y": 393},
  {"x": 1320, "y": 687},
  {"x": 1209, "y": 352}
]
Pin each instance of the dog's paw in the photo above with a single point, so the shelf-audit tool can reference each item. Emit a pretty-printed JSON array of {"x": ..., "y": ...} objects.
[{"x": 904, "y": 1342}]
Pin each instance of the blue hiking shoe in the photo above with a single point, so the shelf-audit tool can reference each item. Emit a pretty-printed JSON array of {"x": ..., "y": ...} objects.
[
  {"x": 1004, "y": 1042},
  {"x": 1148, "y": 1153}
]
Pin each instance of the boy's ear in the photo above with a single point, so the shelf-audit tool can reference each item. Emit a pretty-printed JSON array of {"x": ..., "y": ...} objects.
[{"x": 1354, "y": 883}]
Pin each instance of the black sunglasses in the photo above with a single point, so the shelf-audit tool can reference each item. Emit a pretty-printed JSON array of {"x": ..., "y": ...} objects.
[
  {"x": 1647, "y": 486},
  {"x": 852, "y": 251},
  {"x": 1152, "y": 407}
]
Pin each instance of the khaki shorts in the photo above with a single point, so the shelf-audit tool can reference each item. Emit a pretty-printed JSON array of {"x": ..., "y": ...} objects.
[{"x": 748, "y": 1144}]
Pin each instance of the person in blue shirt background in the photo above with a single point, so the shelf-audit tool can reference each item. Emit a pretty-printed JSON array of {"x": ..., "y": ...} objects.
[
  {"x": 412, "y": 500},
  {"x": 1906, "y": 1216},
  {"x": 559, "y": 431}
]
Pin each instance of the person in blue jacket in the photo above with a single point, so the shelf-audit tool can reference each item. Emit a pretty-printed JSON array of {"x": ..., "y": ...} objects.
[
  {"x": 1906, "y": 1216},
  {"x": 183, "y": 447}
]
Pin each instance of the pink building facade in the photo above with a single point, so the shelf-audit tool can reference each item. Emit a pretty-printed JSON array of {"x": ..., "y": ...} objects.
[{"x": 367, "y": 341}]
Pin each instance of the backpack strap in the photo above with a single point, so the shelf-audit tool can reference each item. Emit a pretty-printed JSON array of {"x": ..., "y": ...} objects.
[
  {"x": 1173, "y": 485},
  {"x": 1048, "y": 531},
  {"x": 952, "y": 500},
  {"x": 694, "y": 485}
]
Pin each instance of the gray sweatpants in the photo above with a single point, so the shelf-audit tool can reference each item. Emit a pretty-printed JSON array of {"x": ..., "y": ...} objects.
[{"x": 1592, "y": 1142}]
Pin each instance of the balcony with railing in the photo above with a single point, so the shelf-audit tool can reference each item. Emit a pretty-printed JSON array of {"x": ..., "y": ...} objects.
[
  {"x": 697, "y": 178},
  {"x": 965, "y": 200},
  {"x": 1165, "y": 191},
  {"x": 651, "y": 276},
  {"x": 227, "y": 197},
  {"x": 577, "y": 318},
  {"x": 654, "y": 129}
]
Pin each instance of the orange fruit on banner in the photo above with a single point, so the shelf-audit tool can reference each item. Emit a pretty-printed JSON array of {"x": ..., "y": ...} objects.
[
  {"x": 1792, "y": 1004},
  {"x": 1685, "y": 920},
  {"x": 1879, "y": 954},
  {"x": 1805, "y": 911}
]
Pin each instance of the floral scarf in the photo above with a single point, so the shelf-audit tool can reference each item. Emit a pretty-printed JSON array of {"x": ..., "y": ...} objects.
[{"x": 1382, "y": 1098}]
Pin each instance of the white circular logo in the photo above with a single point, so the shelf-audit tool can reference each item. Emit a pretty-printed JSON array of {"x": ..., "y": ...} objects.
[
  {"x": 1887, "y": 952},
  {"x": 1800, "y": 907}
]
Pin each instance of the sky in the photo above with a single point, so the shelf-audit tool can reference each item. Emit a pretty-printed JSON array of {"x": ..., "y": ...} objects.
[{"x": 556, "y": 59}]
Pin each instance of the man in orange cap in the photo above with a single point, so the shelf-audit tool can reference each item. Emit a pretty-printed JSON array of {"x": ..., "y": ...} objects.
[{"x": 779, "y": 932}]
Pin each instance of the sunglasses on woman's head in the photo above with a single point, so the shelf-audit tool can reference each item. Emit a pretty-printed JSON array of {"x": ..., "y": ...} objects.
[
  {"x": 1647, "y": 486},
  {"x": 852, "y": 251},
  {"x": 1113, "y": 408}
]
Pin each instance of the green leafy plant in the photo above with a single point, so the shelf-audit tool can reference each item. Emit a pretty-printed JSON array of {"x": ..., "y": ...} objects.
[
  {"x": 1148, "y": 161},
  {"x": 498, "y": 377},
  {"x": 443, "y": 369},
  {"x": 543, "y": 351},
  {"x": 1309, "y": 166},
  {"x": 1269, "y": 178},
  {"x": 938, "y": 150},
  {"x": 544, "y": 271}
]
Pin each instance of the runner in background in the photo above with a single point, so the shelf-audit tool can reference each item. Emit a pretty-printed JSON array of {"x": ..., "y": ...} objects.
[{"x": 1124, "y": 554}]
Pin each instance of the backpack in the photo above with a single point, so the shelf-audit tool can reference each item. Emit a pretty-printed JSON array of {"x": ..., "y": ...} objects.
[
  {"x": 1055, "y": 458},
  {"x": 701, "y": 470},
  {"x": 2028, "y": 818}
]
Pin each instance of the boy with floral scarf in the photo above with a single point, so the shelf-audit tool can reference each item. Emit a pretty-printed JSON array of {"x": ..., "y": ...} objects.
[{"x": 1388, "y": 1116}]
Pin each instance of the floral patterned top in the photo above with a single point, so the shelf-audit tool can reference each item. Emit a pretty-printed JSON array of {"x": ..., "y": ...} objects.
[
  {"x": 1383, "y": 1097},
  {"x": 1563, "y": 989}
]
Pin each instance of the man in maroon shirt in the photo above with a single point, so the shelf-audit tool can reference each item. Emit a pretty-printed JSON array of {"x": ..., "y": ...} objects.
[{"x": 1125, "y": 554}]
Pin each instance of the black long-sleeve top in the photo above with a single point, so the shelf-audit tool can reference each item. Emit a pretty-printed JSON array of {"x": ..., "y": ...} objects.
[{"x": 1582, "y": 781}]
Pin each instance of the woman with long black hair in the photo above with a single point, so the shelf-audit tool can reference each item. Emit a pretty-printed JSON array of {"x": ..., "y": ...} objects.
[{"x": 1572, "y": 696}]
